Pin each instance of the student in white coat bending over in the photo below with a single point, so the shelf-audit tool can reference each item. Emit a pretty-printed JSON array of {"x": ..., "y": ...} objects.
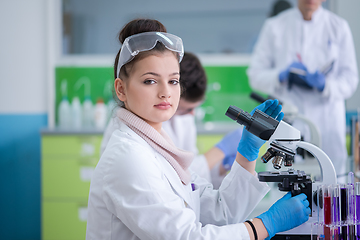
[
  {"x": 305, "y": 56},
  {"x": 141, "y": 187}
]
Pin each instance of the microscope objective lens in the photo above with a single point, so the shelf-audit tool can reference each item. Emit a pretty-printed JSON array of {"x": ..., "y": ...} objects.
[
  {"x": 270, "y": 153},
  {"x": 278, "y": 160}
]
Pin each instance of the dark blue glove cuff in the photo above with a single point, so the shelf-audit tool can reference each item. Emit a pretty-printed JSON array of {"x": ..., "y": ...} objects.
[
  {"x": 321, "y": 85},
  {"x": 283, "y": 76}
]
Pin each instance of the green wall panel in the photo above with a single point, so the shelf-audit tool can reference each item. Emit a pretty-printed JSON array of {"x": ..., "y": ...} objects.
[
  {"x": 227, "y": 85},
  {"x": 99, "y": 78}
]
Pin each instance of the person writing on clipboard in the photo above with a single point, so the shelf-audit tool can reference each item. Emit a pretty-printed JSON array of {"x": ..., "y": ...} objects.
[{"x": 305, "y": 56}]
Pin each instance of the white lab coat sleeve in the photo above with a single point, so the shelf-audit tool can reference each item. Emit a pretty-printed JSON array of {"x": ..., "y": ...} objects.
[
  {"x": 343, "y": 83},
  {"x": 238, "y": 195},
  {"x": 137, "y": 193},
  {"x": 216, "y": 178},
  {"x": 263, "y": 76}
]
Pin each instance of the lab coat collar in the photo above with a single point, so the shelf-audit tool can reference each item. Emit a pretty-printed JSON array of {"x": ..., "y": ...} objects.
[{"x": 317, "y": 15}]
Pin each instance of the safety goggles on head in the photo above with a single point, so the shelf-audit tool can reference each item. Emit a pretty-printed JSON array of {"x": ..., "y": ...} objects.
[{"x": 146, "y": 41}]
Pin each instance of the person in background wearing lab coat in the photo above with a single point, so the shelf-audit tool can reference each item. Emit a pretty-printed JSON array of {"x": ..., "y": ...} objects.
[
  {"x": 141, "y": 187},
  {"x": 305, "y": 56},
  {"x": 181, "y": 128}
]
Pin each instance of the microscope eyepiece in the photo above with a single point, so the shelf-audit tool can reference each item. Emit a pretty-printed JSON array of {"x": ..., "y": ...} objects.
[
  {"x": 239, "y": 115},
  {"x": 233, "y": 112},
  {"x": 260, "y": 124}
]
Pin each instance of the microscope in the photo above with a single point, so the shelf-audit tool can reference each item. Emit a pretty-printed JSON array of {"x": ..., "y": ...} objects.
[
  {"x": 284, "y": 140},
  {"x": 291, "y": 114}
]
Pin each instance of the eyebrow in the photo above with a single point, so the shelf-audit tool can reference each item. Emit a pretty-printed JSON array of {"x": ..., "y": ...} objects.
[{"x": 155, "y": 74}]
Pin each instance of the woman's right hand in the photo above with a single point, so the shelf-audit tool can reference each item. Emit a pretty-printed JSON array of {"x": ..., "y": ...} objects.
[
  {"x": 249, "y": 145},
  {"x": 287, "y": 213}
]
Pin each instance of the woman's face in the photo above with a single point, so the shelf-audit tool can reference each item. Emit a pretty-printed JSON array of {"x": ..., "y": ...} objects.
[
  {"x": 309, "y": 5},
  {"x": 152, "y": 91}
]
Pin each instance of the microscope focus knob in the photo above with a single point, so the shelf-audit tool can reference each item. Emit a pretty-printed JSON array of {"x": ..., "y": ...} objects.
[{"x": 318, "y": 199}]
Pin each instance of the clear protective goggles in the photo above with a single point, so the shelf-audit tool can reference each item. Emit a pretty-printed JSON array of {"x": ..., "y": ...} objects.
[{"x": 146, "y": 41}]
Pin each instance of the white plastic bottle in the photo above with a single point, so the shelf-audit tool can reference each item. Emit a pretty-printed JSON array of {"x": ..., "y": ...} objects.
[
  {"x": 88, "y": 107},
  {"x": 108, "y": 94},
  {"x": 88, "y": 113},
  {"x": 100, "y": 114},
  {"x": 64, "y": 110},
  {"x": 64, "y": 114},
  {"x": 76, "y": 113}
]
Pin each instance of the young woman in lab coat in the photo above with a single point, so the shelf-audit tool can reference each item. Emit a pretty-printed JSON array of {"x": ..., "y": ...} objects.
[
  {"x": 181, "y": 128},
  {"x": 141, "y": 187}
]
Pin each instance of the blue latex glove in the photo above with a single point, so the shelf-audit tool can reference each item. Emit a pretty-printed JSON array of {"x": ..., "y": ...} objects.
[
  {"x": 228, "y": 161},
  {"x": 308, "y": 81},
  {"x": 249, "y": 145},
  {"x": 287, "y": 213},
  {"x": 229, "y": 143},
  {"x": 284, "y": 75},
  {"x": 316, "y": 80}
]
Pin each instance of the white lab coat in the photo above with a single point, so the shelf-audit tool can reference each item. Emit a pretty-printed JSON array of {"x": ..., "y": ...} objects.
[
  {"x": 325, "y": 38},
  {"x": 136, "y": 194},
  {"x": 182, "y": 131}
]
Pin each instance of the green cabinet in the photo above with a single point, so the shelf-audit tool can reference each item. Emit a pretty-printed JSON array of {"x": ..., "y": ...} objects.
[{"x": 68, "y": 161}]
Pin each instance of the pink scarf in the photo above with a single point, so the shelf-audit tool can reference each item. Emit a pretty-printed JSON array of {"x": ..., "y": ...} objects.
[{"x": 179, "y": 159}]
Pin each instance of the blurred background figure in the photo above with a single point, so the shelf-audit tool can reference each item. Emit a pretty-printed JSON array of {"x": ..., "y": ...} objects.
[
  {"x": 305, "y": 56},
  {"x": 279, "y": 6}
]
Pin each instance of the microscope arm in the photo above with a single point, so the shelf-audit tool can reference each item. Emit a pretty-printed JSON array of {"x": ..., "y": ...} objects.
[
  {"x": 315, "y": 133},
  {"x": 328, "y": 173}
]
